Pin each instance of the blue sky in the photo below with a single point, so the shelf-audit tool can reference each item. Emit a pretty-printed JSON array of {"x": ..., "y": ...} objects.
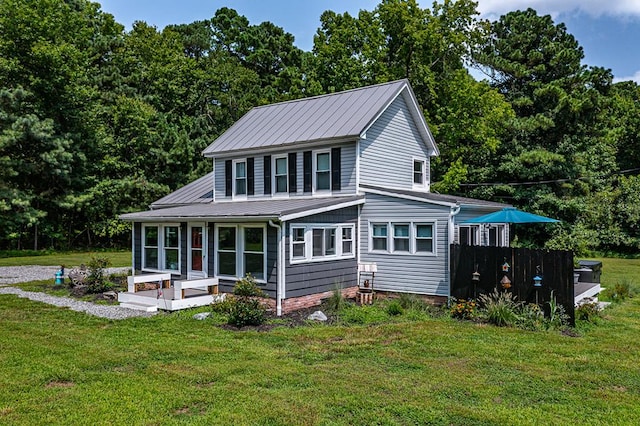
[{"x": 608, "y": 31}]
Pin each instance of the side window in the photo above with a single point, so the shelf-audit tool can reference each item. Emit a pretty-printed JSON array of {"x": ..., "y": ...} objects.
[
  {"x": 280, "y": 175},
  {"x": 150, "y": 247},
  {"x": 299, "y": 248},
  {"x": 319, "y": 242},
  {"x": 401, "y": 238},
  {"x": 424, "y": 238},
  {"x": 240, "y": 177},
  {"x": 171, "y": 247},
  {"x": 227, "y": 250},
  {"x": 379, "y": 236},
  {"x": 419, "y": 172}
]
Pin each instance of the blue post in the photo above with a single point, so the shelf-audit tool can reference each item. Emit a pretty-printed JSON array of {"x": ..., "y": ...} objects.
[{"x": 59, "y": 277}]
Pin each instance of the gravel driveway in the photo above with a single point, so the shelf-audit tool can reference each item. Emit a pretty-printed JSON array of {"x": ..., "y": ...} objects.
[{"x": 19, "y": 274}]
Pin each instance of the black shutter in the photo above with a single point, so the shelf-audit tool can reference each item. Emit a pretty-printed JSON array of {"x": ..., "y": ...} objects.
[
  {"x": 307, "y": 171},
  {"x": 250, "y": 177},
  {"x": 335, "y": 169},
  {"x": 228, "y": 178},
  {"x": 293, "y": 172},
  {"x": 267, "y": 174}
]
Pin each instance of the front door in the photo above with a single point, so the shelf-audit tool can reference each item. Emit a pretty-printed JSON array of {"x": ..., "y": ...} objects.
[{"x": 196, "y": 251}]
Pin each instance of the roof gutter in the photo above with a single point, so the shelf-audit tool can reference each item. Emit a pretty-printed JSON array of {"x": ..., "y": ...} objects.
[{"x": 452, "y": 213}]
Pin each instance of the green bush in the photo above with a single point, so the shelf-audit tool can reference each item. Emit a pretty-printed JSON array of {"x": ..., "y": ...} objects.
[
  {"x": 619, "y": 292},
  {"x": 588, "y": 312},
  {"x": 336, "y": 302},
  {"x": 558, "y": 317},
  {"x": 531, "y": 317},
  {"x": 394, "y": 308},
  {"x": 463, "y": 309},
  {"x": 245, "y": 308},
  {"x": 96, "y": 281},
  {"x": 363, "y": 315},
  {"x": 500, "y": 308}
]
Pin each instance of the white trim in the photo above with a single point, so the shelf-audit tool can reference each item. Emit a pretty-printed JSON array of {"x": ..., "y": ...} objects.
[
  {"x": 314, "y": 168},
  {"x": 213, "y": 167},
  {"x": 234, "y": 195},
  {"x": 240, "y": 250},
  {"x": 160, "y": 247},
  {"x": 319, "y": 210},
  {"x": 133, "y": 248},
  {"x": 390, "y": 224},
  {"x": 274, "y": 185},
  {"x": 308, "y": 242},
  {"x": 191, "y": 274},
  {"x": 358, "y": 166}
]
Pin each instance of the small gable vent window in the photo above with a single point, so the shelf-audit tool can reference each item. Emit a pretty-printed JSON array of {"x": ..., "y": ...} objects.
[{"x": 419, "y": 172}]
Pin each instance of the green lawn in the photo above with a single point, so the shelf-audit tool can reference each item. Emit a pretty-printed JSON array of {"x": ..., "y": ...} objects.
[
  {"x": 64, "y": 367},
  {"x": 117, "y": 258}
]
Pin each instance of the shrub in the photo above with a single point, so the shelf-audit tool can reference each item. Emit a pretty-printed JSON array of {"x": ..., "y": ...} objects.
[
  {"x": 336, "y": 302},
  {"x": 500, "y": 308},
  {"x": 245, "y": 308},
  {"x": 96, "y": 282},
  {"x": 619, "y": 292},
  {"x": 463, "y": 309},
  {"x": 412, "y": 302},
  {"x": 558, "y": 317},
  {"x": 531, "y": 317},
  {"x": 588, "y": 312},
  {"x": 394, "y": 308}
]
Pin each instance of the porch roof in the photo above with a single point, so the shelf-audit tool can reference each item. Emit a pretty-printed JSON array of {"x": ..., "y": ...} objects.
[
  {"x": 287, "y": 209},
  {"x": 451, "y": 200}
]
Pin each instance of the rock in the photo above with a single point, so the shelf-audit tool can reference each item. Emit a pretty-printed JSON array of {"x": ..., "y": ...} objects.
[
  {"x": 111, "y": 295},
  {"x": 317, "y": 316},
  {"x": 201, "y": 316}
]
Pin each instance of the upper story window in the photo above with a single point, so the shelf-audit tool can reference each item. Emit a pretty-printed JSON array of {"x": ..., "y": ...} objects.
[
  {"x": 240, "y": 178},
  {"x": 323, "y": 171},
  {"x": 419, "y": 172},
  {"x": 280, "y": 175}
]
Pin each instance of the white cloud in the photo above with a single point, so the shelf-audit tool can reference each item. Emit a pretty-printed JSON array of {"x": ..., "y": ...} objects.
[
  {"x": 635, "y": 77},
  {"x": 494, "y": 8}
]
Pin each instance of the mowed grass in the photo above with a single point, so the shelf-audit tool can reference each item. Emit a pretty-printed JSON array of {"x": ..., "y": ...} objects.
[
  {"x": 71, "y": 259},
  {"x": 64, "y": 367}
]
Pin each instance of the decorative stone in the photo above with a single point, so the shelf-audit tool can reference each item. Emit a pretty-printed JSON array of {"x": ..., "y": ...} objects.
[
  {"x": 110, "y": 295},
  {"x": 317, "y": 316},
  {"x": 201, "y": 316}
]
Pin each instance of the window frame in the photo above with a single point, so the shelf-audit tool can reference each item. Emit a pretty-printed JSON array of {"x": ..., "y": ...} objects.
[
  {"x": 274, "y": 176},
  {"x": 161, "y": 248},
  {"x": 390, "y": 237},
  {"x": 474, "y": 235},
  {"x": 240, "y": 250},
  {"x": 423, "y": 164},
  {"x": 309, "y": 228},
  {"x": 315, "y": 170},
  {"x": 234, "y": 189},
  {"x": 408, "y": 238}
]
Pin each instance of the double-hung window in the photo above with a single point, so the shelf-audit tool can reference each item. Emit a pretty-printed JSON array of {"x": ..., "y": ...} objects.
[
  {"x": 241, "y": 250},
  {"x": 323, "y": 171},
  {"x": 402, "y": 237},
  {"x": 401, "y": 241},
  {"x": 280, "y": 175},
  {"x": 161, "y": 250},
  {"x": 240, "y": 178},
  {"x": 419, "y": 173},
  {"x": 317, "y": 242},
  {"x": 469, "y": 235}
]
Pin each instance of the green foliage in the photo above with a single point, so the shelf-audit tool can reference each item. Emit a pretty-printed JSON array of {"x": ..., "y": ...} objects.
[
  {"x": 245, "y": 308},
  {"x": 588, "y": 312},
  {"x": 463, "y": 309},
  {"x": 336, "y": 302},
  {"x": 531, "y": 317},
  {"x": 500, "y": 308},
  {"x": 620, "y": 291},
  {"x": 363, "y": 315},
  {"x": 96, "y": 281},
  {"x": 558, "y": 317},
  {"x": 394, "y": 308}
]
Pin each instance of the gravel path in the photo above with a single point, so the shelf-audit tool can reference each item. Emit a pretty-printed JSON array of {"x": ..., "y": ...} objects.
[{"x": 19, "y": 274}]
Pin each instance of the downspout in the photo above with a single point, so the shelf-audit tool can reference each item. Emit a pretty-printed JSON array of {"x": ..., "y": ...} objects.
[
  {"x": 280, "y": 267},
  {"x": 133, "y": 247},
  {"x": 454, "y": 211}
]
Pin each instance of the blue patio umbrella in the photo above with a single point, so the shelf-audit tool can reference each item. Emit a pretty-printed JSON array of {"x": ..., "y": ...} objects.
[{"x": 510, "y": 215}]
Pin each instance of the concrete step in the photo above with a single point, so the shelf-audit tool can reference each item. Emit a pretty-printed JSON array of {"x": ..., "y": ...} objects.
[{"x": 139, "y": 306}]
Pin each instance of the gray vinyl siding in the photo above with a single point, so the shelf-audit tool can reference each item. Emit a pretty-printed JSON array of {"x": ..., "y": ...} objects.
[
  {"x": 307, "y": 278},
  {"x": 347, "y": 175},
  {"x": 467, "y": 213},
  {"x": 390, "y": 146},
  {"x": 407, "y": 273},
  {"x": 137, "y": 246}
]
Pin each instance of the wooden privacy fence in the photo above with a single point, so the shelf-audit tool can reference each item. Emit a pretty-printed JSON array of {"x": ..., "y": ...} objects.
[{"x": 555, "y": 267}]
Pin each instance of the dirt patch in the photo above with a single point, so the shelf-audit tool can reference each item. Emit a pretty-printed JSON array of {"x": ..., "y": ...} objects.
[{"x": 57, "y": 384}]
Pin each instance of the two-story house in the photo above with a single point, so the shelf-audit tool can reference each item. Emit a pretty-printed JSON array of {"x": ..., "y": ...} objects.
[{"x": 303, "y": 191}]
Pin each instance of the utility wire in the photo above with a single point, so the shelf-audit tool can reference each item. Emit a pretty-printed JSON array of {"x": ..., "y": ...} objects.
[{"x": 541, "y": 182}]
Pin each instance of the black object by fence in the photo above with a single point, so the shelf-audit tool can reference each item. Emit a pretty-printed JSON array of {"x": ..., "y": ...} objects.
[{"x": 555, "y": 267}]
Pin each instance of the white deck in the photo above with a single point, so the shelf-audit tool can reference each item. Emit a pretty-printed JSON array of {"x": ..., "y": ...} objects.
[
  {"x": 583, "y": 290},
  {"x": 184, "y": 294}
]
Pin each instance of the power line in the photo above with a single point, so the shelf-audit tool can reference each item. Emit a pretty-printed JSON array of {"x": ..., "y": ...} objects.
[{"x": 542, "y": 182}]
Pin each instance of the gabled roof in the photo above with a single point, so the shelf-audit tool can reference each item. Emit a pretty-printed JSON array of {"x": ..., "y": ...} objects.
[
  {"x": 336, "y": 116},
  {"x": 451, "y": 200},
  {"x": 243, "y": 210},
  {"x": 198, "y": 191}
]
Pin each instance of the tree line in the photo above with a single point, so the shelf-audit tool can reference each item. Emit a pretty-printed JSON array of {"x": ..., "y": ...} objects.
[{"x": 96, "y": 121}]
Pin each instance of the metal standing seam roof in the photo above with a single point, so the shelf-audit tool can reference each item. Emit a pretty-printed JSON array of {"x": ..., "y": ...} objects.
[
  {"x": 333, "y": 116},
  {"x": 439, "y": 198},
  {"x": 244, "y": 209},
  {"x": 198, "y": 191}
]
